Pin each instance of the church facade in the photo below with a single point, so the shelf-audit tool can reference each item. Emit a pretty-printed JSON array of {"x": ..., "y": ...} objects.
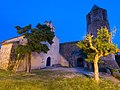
[
  {"x": 64, "y": 54},
  {"x": 38, "y": 60}
]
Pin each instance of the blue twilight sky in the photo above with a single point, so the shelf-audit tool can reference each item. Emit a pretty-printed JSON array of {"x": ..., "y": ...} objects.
[{"x": 68, "y": 16}]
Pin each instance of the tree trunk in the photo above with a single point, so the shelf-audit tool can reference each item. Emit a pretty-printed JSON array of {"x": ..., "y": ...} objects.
[
  {"x": 16, "y": 65},
  {"x": 96, "y": 71},
  {"x": 28, "y": 63}
]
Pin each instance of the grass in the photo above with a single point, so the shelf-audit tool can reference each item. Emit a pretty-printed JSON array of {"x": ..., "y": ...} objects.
[{"x": 51, "y": 80}]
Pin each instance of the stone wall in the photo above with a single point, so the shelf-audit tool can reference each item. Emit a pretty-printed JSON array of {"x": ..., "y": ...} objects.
[
  {"x": 40, "y": 60},
  {"x": 5, "y": 55},
  {"x": 63, "y": 61},
  {"x": 117, "y": 57},
  {"x": 96, "y": 19},
  {"x": 109, "y": 61},
  {"x": 13, "y": 56},
  {"x": 70, "y": 52}
]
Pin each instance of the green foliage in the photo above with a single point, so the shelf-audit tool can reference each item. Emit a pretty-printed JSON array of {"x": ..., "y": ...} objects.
[
  {"x": 37, "y": 40},
  {"x": 50, "y": 80},
  {"x": 35, "y": 37},
  {"x": 100, "y": 45}
]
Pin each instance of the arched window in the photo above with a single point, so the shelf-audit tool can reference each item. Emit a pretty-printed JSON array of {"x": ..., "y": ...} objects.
[{"x": 80, "y": 62}]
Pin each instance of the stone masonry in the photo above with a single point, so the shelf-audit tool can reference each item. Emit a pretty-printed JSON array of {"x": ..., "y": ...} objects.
[
  {"x": 96, "y": 19},
  {"x": 70, "y": 52}
]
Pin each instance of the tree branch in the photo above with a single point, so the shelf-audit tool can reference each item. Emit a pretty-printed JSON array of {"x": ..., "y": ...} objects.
[
  {"x": 101, "y": 54},
  {"x": 89, "y": 38},
  {"x": 118, "y": 50}
]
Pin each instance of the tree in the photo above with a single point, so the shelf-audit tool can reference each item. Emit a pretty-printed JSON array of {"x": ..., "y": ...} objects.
[
  {"x": 36, "y": 38},
  {"x": 96, "y": 47}
]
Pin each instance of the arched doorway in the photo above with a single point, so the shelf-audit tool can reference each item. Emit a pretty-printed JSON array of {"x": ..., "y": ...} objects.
[
  {"x": 80, "y": 62},
  {"x": 48, "y": 62}
]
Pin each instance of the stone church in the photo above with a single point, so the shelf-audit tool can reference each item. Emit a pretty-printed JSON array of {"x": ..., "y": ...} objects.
[
  {"x": 41, "y": 60},
  {"x": 64, "y": 54}
]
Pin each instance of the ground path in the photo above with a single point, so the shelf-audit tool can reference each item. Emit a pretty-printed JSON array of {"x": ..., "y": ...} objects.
[{"x": 88, "y": 73}]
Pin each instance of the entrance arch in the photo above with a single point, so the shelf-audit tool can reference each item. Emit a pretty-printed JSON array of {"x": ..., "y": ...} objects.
[
  {"x": 80, "y": 62},
  {"x": 48, "y": 62}
]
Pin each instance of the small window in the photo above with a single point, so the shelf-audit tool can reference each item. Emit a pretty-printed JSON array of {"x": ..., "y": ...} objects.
[
  {"x": 88, "y": 19},
  {"x": 104, "y": 15}
]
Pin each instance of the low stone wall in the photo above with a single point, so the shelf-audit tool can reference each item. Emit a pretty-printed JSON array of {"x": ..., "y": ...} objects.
[
  {"x": 70, "y": 52},
  {"x": 63, "y": 61}
]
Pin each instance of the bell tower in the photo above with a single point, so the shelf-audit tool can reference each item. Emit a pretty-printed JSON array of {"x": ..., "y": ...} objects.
[{"x": 96, "y": 19}]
